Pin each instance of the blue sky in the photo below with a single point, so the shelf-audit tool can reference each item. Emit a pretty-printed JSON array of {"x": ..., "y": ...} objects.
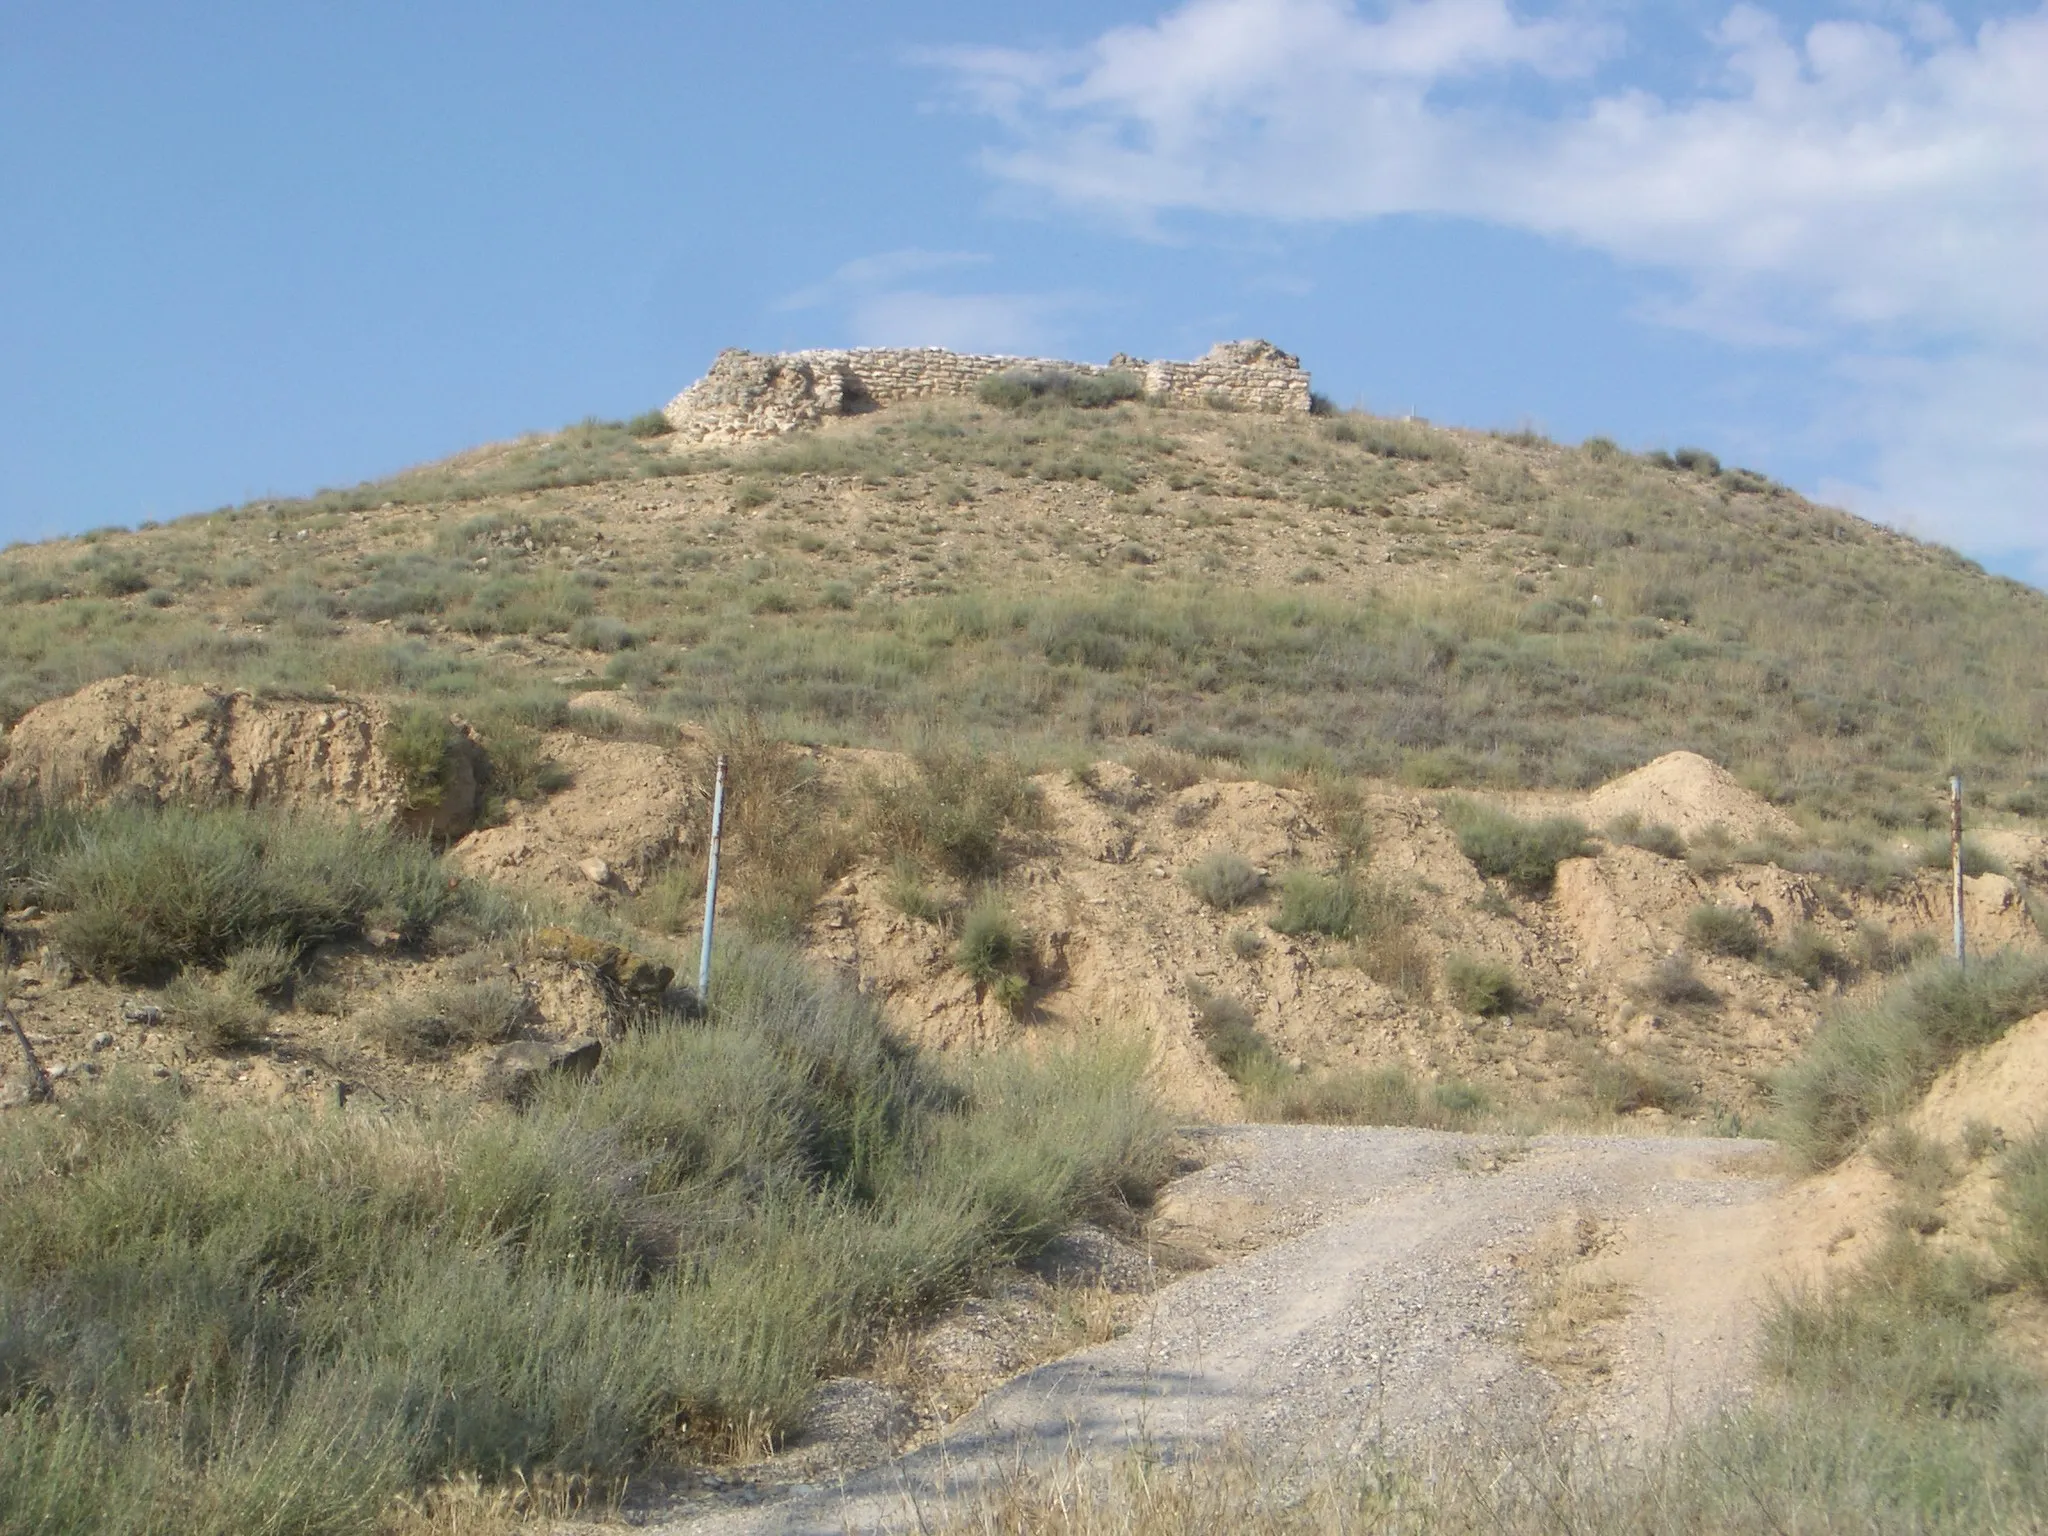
[{"x": 257, "y": 250}]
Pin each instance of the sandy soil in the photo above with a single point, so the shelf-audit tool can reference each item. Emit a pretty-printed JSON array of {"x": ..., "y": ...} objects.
[{"x": 1408, "y": 1286}]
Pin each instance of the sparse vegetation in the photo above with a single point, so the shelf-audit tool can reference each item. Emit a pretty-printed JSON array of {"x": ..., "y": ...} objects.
[
  {"x": 449, "y": 1018},
  {"x": 1675, "y": 982},
  {"x": 1316, "y": 903},
  {"x": 1653, "y": 837},
  {"x": 141, "y": 893},
  {"x": 994, "y": 951},
  {"x": 1021, "y": 388},
  {"x": 1223, "y": 879},
  {"x": 1386, "y": 946},
  {"x": 1813, "y": 956},
  {"x": 1869, "y": 1060},
  {"x": 955, "y": 812},
  {"x": 1381, "y": 1096},
  {"x": 1525, "y": 854},
  {"x": 1231, "y": 1033},
  {"x": 1484, "y": 987},
  {"x": 349, "y": 1307},
  {"x": 1729, "y": 931}
]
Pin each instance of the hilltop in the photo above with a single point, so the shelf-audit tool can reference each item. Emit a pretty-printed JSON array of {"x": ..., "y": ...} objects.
[{"x": 1288, "y": 638}]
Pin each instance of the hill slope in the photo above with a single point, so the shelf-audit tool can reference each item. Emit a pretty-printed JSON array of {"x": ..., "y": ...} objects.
[{"x": 1290, "y": 642}]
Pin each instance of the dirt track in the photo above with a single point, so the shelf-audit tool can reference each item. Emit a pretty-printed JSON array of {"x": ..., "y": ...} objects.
[{"x": 1402, "y": 1286}]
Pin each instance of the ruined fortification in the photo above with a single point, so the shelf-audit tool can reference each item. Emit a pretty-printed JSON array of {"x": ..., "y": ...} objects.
[{"x": 752, "y": 394}]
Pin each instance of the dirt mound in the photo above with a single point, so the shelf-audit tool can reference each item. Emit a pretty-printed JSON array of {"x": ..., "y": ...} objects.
[
  {"x": 1687, "y": 792},
  {"x": 140, "y": 738},
  {"x": 624, "y": 809}
]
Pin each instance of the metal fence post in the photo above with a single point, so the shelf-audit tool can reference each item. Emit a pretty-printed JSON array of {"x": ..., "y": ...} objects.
[
  {"x": 711, "y": 885},
  {"x": 1955, "y": 856}
]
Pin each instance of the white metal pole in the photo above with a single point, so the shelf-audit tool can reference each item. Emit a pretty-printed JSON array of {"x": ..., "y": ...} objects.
[
  {"x": 1955, "y": 856},
  {"x": 711, "y": 884}
]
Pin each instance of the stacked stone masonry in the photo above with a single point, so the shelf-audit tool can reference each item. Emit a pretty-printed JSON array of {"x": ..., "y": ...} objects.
[{"x": 754, "y": 395}]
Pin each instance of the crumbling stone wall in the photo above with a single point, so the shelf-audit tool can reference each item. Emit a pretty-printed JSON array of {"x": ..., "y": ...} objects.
[{"x": 753, "y": 395}]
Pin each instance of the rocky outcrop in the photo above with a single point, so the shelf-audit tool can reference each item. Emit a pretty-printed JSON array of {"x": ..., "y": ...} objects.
[
  {"x": 754, "y": 395},
  {"x": 133, "y": 738}
]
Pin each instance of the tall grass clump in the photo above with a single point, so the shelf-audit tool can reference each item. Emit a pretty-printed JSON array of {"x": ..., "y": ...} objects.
[
  {"x": 1729, "y": 931},
  {"x": 1315, "y": 903},
  {"x": 1389, "y": 1095},
  {"x": 1223, "y": 879},
  {"x": 1023, "y": 388},
  {"x": 1230, "y": 1032},
  {"x": 228, "y": 1319},
  {"x": 1872, "y": 1060},
  {"x": 1525, "y": 854},
  {"x": 1481, "y": 986},
  {"x": 141, "y": 892},
  {"x": 955, "y": 811},
  {"x": 994, "y": 950}
]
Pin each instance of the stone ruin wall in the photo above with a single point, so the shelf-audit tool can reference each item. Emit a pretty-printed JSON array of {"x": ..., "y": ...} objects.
[{"x": 754, "y": 395}]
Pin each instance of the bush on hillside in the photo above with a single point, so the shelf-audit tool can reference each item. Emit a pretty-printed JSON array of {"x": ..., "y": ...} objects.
[
  {"x": 1231, "y": 1034},
  {"x": 1675, "y": 983},
  {"x": 1652, "y": 837},
  {"x": 1313, "y": 903},
  {"x": 140, "y": 892},
  {"x": 354, "y": 1308},
  {"x": 1385, "y": 945},
  {"x": 1871, "y": 1060},
  {"x": 954, "y": 811},
  {"x": 1020, "y": 388},
  {"x": 1484, "y": 987},
  {"x": 994, "y": 950},
  {"x": 1729, "y": 931},
  {"x": 1813, "y": 956},
  {"x": 419, "y": 743},
  {"x": 1223, "y": 879},
  {"x": 1525, "y": 854}
]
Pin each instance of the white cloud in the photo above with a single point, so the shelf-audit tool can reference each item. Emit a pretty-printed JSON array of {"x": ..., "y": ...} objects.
[{"x": 1876, "y": 192}]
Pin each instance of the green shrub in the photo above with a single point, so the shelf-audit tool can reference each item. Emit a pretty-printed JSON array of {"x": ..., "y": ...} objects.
[
  {"x": 1380, "y": 1096},
  {"x": 908, "y": 892},
  {"x": 1247, "y": 943},
  {"x": 1018, "y": 388},
  {"x": 1621, "y": 1086},
  {"x": 1813, "y": 956},
  {"x": 1653, "y": 837},
  {"x": 450, "y": 1018},
  {"x": 1385, "y": 945},
  {"x": 1230, "y": 1032},
  {"x": 354, "y": 1308},
  {"x": 1484, "y": 987},
  {"x": 1223, "y": 879},
  {"x": 221, "y": 1012},
  {"x": 1730, "y": 931},
  {"x": 1674, "y": 983},
  {"x": 600, "y": 632},
  {"x": 955, "y": 811},
  {"x": 143, "y": 892},
  {"x": 1313, "y": 903},
  {"x": 419, "y": 743},
  {"x": 1939, "y": 853},
  {"x": 650, "y": 424},
  {"x": 994, "y": 951},
  {"x": 1525, "y": 854},
  {"x": 1871, "y": 1060},
  {"x": 2023, "y": 1190}
]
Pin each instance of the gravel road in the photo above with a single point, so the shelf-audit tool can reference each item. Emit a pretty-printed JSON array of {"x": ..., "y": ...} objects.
[{"x": 1384, "y": 1303}]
